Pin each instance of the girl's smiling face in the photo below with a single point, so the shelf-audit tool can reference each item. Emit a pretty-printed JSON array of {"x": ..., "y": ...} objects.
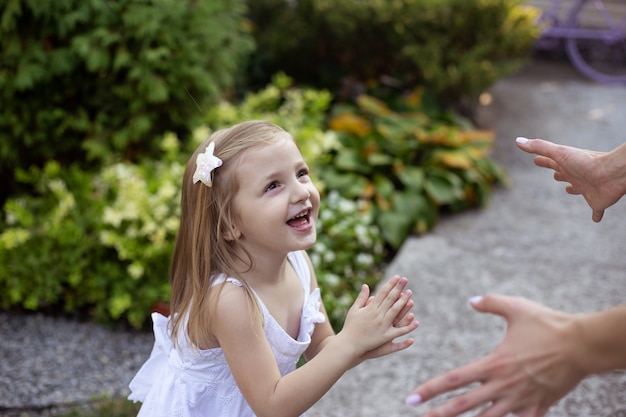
[{"x": 276, "y": 204}]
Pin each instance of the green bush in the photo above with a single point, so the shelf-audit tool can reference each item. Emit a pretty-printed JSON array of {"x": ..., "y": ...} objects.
[
  {"x": 409, "y": 161},
  {"x": 97, "y": 246},
  {"x": 49, "y": 243},
  {"x": 349, "y": 252},
  {"x": 300, "y": 111},
  {"x": 461, "y": 47},
  {"x": 100, "y": 243},
  {"x": 87, "y": 78},
  {"x": 457, "y": 48}
]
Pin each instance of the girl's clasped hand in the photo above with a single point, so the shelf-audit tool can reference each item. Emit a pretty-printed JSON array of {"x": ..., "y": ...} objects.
[{"x": 372, "y": 323}]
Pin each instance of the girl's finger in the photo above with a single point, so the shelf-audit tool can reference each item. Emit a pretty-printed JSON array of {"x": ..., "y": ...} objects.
[
  {"x": 407, "y": 308},
  {"x": 389, "y": 298}
]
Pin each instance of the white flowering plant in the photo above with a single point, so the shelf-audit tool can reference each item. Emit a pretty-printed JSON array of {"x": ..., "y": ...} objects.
[
  {"x": 49, "y": 255},
  {"x": 349, "y": 252},
  {"x": 93, "y": 244},
  {"x": 140, "y": 224}
]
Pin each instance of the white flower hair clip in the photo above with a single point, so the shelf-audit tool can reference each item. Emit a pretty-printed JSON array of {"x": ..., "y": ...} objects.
[{"x": 206, "y": 162}]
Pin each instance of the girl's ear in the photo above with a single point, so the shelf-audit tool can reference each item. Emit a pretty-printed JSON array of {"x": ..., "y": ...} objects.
[{"x": 233, "y": 234}]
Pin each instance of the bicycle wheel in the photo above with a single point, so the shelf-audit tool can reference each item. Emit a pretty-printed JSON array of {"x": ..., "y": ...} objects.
[{"x": 599, "y": 48}]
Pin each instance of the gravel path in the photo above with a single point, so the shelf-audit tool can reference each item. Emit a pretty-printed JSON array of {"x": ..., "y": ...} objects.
[{"x": 47, "y": 362}]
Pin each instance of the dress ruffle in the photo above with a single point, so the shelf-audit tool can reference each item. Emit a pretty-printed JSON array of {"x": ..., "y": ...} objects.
[
  {"x": 311, "y": 313},
  {"x": 154, "y": 367}
]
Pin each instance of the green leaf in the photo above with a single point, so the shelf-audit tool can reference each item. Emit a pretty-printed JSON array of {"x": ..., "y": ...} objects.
[
  {"x": 409, "y": 204},
  {"x": 384, "y": 186},
  {"x": 442, "y": 186},
  {"x": 380, "y": 159},
  {"x": 395, "y": 228},
  {"x": 349, "y": 160},
  {"x": 399, "y": 222},
  {"x": 372, "y": 105},
  {"x": 412, "y": 178},
  {"x": 350, "y": 185},
  {"x": 118, "y": 304}
]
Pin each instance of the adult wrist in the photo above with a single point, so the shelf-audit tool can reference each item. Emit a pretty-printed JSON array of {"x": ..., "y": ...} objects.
[
  {"x": 583, "y": 352},
  {"x": 601, "y": 340},
  {"x": 614, "y": 165}
]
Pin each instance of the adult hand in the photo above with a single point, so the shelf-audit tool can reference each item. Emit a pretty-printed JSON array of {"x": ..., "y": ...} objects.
[
  {"x": 598, "y": 176},
  {"x": 532, "y": 368}
]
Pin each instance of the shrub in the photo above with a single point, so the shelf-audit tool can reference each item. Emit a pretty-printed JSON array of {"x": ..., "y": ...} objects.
[
  {"x": 349, "y": 252},
  {"x": 456, "y": 48},
  {"x": 409, "y": 161},
  {"x": 87, "y": 78},
  {"x": 100, "y": 243},
  {"x": 48, "y": 243},
  {"x": 96, "y": 246},
  {"x": 299, "y": 110},
  {"x": 461, "y": 47}
]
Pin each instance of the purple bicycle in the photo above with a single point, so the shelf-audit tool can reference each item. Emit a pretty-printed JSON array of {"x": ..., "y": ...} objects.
[{"x": 594, "y": 35}]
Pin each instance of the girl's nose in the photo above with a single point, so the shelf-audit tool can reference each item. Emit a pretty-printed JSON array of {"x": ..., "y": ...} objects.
[{"x": 301, "y": 192}]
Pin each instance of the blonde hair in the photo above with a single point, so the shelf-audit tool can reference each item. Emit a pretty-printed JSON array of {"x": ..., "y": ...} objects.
[{"x": 205, "y": 246}]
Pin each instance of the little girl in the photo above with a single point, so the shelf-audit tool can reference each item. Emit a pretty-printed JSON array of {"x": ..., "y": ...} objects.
[{"x": 245, "y": 304}]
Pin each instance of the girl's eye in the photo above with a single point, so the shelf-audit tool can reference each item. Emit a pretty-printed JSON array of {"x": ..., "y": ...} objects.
[
  {"x": 303, "y": 172},
  {"x": 271, "y": 186}
]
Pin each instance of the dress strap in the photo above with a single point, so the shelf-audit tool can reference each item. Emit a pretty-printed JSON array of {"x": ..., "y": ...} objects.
[
  {"x": 235, "y": 281},
  {"x": 301, "y": 266},
  {"x": 222, "y": 278}
]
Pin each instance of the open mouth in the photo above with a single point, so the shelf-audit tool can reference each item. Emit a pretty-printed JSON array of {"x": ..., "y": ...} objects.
[{"x": 300, "y": 219}]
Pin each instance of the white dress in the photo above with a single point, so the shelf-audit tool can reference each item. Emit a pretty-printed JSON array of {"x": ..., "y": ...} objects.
[{"x": 186, "y": 382}]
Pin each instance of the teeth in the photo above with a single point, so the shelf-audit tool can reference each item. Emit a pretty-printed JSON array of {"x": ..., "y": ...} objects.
[{"x": 303, "y": 214}]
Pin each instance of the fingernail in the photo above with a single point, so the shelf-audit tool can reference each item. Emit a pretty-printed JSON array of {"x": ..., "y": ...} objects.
[
  {"x": 413, "y": 399},
  {"x": 475, "y": 300},
  {"x": 521, "y": 140}
]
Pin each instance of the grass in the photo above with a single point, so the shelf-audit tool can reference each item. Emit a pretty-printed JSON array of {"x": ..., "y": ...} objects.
[{"x": 108, "y": 407}]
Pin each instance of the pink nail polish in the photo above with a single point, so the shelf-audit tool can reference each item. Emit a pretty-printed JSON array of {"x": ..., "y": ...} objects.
[
  {"x": 413, "y": 400},
  {"x": 475, "y": 299}
]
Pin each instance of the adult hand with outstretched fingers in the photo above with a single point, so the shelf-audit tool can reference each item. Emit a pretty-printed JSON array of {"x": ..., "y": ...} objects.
[
  {"x": 534, "y": 366},
  {"x": 600, "y": 177}
]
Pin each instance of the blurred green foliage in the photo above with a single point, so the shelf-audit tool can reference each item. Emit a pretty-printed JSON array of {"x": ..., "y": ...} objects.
[
  {"x": 95, "y": 245},
  {"x": 455, "y": 48},
  {"x": 410, "y": 160},
  {"x": 99, "y": 242},
  {"x": 97, "y": 80}
]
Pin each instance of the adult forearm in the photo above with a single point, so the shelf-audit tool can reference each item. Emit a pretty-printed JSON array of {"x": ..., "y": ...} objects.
[{"x": 603, "y": 340}]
